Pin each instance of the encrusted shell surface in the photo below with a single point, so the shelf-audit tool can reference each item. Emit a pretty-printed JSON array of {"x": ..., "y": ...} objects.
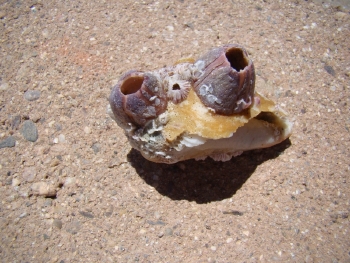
[{"x": 196, "y": 110}]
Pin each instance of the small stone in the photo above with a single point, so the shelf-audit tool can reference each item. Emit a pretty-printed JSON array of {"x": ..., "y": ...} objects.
[
  {"x": 15, "y": 122},
  {"x": 161, "y": 234},
  {"x": 4, "y": 86},
  {"x": 32, "y": 95},
  {"x": 44, "y": 189},
  {"x": 29, "y": 174},
  {"x": 61, "y": 138},
  {"x": 96, "y": 147},
  {"x": 329, "y": 70},
  {"x": 340, "y": 15},
  {"x": 57, "y": 223},
  {"x": 16, "y": 182},
  {"x": 229, "y": 240},
  {"x": 213, "y": 248},
  {"x": 69, "y": 181},
  {"x": 55, "y": 162},
  {"x": 87, "y": 130},
  {"x": 246, "y": 233},
  {"x": 48, "y": 202},
  {"x": 73, "y": 227},
  {"x": 168, "y": 232},
  {"x": 29, "y": 131},
  {"x": 86, "y": 214},
  {"x": 8, "y": 142},
  {"x": 23, "y": 215}
]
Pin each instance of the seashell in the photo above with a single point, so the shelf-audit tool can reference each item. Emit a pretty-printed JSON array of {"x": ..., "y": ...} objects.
[{"x": 195, "y": 110}]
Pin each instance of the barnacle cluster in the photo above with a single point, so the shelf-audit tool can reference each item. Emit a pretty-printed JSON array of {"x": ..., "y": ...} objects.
[{"x": 195, "y": 110}]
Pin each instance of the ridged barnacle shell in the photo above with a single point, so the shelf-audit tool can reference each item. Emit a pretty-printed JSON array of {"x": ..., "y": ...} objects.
[
  {"x": 137, "y": 98},
  {"x": 228, "y": 79},
  {"x": 196, "y": 110}
]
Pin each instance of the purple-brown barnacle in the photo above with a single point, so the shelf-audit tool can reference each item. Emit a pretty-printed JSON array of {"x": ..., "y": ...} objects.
[
  {"x": 137, "y": 98},
  {"x": 225, "y": 79}
]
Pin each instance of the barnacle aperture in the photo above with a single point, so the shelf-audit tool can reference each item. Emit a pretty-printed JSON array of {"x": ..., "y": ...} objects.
[{"x": 195, "y": 110}]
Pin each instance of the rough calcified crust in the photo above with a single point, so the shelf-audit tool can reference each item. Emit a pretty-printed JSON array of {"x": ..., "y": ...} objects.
[{"x": 196, "y": 110}]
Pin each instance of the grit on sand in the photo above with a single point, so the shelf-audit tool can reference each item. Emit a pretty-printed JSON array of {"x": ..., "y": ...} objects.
[{"x": 73, "y": 190}]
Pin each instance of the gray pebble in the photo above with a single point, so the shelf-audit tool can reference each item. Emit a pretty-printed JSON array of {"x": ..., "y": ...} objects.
[
  {"x": 96, "y": 147},
  {"x": 329, "y": 70},
  {"x": 29, "y": 174},
  {"x": 29, "y": 131},
  {"x": 73, "y": 227},
  {"x": 57, "y": 223},
  {"x": 168, "y": 232},
  {"x": 86, "y": 214},
  {"x": 8, "y": 142},
  {"x": 32, "y": 95},
  {"x": 15, "y": 122}
]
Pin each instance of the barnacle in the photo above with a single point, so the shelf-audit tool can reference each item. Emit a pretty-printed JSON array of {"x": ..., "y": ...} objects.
[{"x": 194, "y": 110}]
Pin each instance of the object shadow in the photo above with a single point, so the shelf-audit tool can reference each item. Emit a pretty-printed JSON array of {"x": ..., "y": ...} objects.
[{"x": 202, "y": 181}]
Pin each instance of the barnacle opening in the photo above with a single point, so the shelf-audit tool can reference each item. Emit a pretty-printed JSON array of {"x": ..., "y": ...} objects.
[
  {"x": 176, "y": 86},
  {"x": 237, "y": 58},
  {"x": 131, "y": 85}
]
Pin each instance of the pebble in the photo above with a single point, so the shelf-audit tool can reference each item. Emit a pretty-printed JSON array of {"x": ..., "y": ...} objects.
[
  {"x": 73, "y": 227},
  {"x": 24, "y": 214},
  {"x": 340, "y": 15},
  {"x": 15, "y": 122},
  {"x": 168, "y": 232},
  {"x": 213, "y": 248},
  {"x": 8, "y": 142},
  {"x": 44, "y": 189},
  {"x": 57, "y": 223},
  {"x": 86, "y": 214},
  {"x": 229, "y": 240},
  {"x": 29, "y": 174},
  {"x": 4, "y": 86},
  {"x": 29, "y": 131},
  {"x": 329, "y": 70},
  {"x": 32, "y": 95},
  {"x": 70, "y": 181},
  {"x": 15, "y": 182},
  {"x": 87, "y": 130},
  {"x": 96, "y": 147}
]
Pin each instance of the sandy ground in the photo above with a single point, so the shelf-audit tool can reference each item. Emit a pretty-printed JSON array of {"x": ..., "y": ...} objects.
[{"x": 77, "y": 192}]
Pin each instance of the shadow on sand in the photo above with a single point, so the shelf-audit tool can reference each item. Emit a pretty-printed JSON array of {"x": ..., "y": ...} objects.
[{"x": 203, "y": 181}]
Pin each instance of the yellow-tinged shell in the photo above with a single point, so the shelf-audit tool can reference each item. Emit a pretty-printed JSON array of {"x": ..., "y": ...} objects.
[{"x": 192, "y": 117}]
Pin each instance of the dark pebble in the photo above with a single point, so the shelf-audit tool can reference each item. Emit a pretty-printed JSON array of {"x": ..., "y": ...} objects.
[
  {"x": 329, "y": 70},
  {"x": 32, "y": 95},
  {"x": 8, "y": 142},
  {"x": 29, "y": 131},
  {"x": 86, "y": 214}
]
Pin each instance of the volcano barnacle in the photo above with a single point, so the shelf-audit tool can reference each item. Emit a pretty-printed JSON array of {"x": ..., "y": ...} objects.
[{"x": 195, "y": 110}]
